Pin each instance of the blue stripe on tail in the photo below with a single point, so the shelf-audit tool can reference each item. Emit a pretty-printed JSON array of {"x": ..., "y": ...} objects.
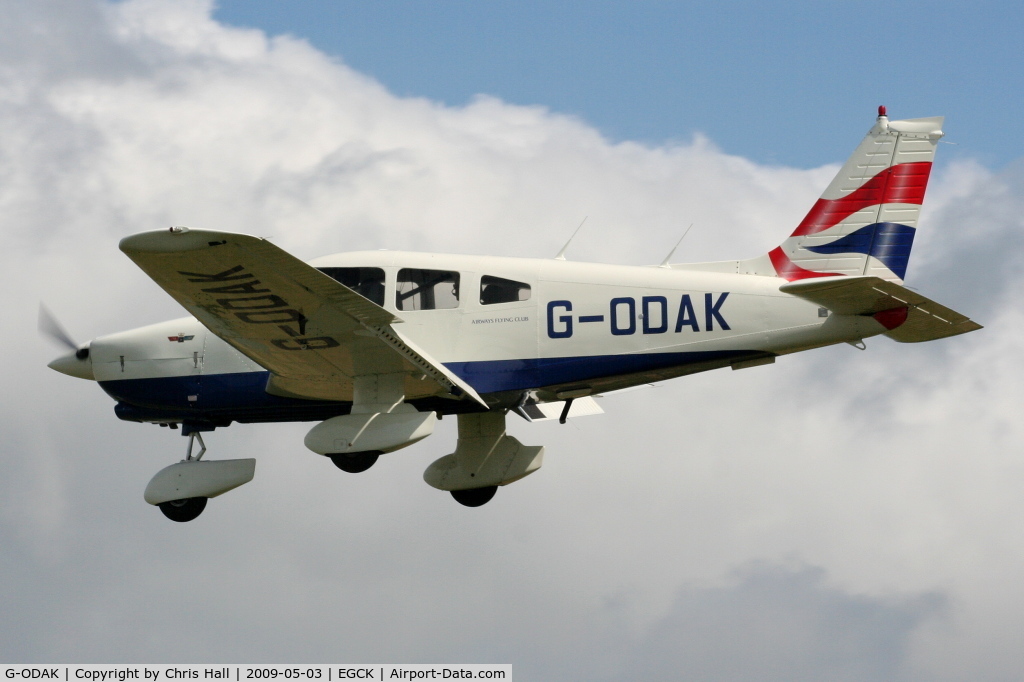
[{"x": 888, "y": 242}]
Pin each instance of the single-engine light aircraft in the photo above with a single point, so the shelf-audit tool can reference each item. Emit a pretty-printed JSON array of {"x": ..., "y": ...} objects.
[{"x": 376, "y": 346}]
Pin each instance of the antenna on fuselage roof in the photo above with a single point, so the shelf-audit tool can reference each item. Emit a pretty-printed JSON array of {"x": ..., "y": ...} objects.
[
  {"x": 664, "y": 263},
  {"x": 561, "y": 254}
]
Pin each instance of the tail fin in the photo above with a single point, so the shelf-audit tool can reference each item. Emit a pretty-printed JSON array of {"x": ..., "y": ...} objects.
[{"x": 864, "y": 223}]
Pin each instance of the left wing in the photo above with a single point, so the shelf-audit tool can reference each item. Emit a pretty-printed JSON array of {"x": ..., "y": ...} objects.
[{"x": 313, "y": 333}]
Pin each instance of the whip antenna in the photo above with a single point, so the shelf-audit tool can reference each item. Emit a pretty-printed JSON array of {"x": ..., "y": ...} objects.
[
  {"x": 561, "y": 254},
  {"x": 664, "y": 263}
]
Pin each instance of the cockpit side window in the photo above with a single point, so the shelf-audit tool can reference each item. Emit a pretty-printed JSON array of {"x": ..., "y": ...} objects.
[
  {"x": 367, "y": 282},
  {"x": 499, "y": 290},
  {"x": 427, "y": 289}
]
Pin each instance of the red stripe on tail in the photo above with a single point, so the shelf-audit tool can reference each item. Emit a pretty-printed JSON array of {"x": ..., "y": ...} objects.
[
  {"x": 904, "y": 183},
  {"x": 790, "y": 271}
]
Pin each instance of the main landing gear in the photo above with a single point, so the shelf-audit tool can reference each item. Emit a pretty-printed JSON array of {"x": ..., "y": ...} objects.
[
  {"x": 182, "y": 490},
  {"x": 475, "y": 497},
  {"x": 355, "y": 462},
  {"x": 485, "y": 457}
]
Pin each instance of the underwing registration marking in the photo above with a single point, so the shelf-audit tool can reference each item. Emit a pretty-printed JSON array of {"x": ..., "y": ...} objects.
[{"x": 243, "y": 296}]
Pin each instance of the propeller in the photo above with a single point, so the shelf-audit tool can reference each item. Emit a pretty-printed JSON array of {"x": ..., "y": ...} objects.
[{"x": 49, "y": 326}]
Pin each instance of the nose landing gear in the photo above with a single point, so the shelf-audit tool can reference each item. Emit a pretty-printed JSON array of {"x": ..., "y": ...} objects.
[{"x": 182, "y": 490}]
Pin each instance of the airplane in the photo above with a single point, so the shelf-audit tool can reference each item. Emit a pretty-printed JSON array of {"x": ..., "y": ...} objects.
[{"x": 377, "y": 346}]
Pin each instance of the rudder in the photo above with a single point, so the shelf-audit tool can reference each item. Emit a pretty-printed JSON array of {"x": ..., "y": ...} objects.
[{"x": 865, "y": 221}]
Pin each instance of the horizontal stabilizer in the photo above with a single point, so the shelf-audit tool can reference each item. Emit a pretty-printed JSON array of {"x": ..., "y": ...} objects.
[{"x": 926, "y": 319}]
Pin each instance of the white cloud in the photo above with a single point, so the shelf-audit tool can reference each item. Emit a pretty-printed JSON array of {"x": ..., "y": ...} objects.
[
  {"x": 894, "y": 471},
  {"x": 780, "y": 624}
]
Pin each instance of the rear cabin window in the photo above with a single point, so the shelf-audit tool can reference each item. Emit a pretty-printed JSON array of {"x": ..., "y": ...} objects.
[
  {"x": 498, "y": 290},
  {"x": 367, "y": 282},
  {"x": 427, "y": 289}
]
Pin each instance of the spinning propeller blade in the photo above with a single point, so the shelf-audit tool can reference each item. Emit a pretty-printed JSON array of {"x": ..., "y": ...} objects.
[
  {"x": 77, "y": 363},
  {"x": 49, "y": 326}
]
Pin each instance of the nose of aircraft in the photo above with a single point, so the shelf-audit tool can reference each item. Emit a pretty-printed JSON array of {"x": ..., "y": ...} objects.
[{"x": 76, "y": 363}]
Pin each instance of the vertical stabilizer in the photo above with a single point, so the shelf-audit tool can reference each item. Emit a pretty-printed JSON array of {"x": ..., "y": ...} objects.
[{"x": 865, "y": 221}]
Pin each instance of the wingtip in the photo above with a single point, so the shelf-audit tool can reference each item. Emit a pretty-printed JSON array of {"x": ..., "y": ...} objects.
[{"x": 176, "y": 240}]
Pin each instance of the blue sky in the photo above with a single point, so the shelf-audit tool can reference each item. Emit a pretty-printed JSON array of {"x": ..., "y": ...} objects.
[{"x": 792, "y": 83}]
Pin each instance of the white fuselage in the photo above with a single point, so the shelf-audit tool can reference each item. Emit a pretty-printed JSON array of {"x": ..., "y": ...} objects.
[{"x": 580, "y": 327}]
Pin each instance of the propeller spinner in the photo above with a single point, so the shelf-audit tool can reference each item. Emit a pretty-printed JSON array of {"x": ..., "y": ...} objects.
[{"x": 75, "y": 363}]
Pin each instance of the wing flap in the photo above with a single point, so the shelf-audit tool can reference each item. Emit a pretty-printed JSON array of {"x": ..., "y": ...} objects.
[
  {"x": 926, "y": 319},
  {"x": 581, "y": 407},
  {"x": 313, "y": 333}
]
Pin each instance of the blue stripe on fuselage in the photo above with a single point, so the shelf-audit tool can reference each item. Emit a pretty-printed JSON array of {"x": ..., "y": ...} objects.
[
  {"x": 242, "y": 397},
  {"x": 492, "y": 376}
]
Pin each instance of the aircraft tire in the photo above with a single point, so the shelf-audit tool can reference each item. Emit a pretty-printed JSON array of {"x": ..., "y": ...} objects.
[
  {"x": 183, "y": 510},
  {"x": 355, "y": 462},
  {"x": 475, "y": 497}
]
